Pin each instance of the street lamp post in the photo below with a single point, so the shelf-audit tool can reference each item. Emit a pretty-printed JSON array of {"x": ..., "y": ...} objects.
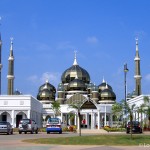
[{"x": 125, "y": 84}]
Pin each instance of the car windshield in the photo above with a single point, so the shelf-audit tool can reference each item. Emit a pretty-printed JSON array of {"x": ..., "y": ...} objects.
[
  {"x": 54, "y": 120},
  {"x": 3, "y": 123},
  {"x": 134, "y": 123}
]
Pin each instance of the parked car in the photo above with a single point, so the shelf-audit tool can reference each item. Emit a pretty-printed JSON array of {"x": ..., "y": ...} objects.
[
  {"x": 54, "y": 125},
  {"x": 5, "y": 127},
  {"x": 28, "y": 125},
  {"x": 135, "y": 127}
]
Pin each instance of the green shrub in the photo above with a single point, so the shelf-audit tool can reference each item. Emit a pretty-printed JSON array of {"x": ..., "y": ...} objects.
[
  {"x": 42, "y": 129},
  {"x": 65, "y": 129},
  {"x": 114, "y": 129}
]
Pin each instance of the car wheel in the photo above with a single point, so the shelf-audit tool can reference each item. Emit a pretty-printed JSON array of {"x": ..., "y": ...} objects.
[
  {"x": 20, "y": 132},
  {"x": 25, "y": 132},
  {"x": 36, "y": 131},
  {"x": 11, "y": 132},
  {"x": 7, "y": 133},
  {"x": 48, "y": 132},
  {"x": 60, "y": 132}
]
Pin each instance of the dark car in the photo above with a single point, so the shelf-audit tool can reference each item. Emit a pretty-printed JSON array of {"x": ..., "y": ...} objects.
[
  {"x": 5, "y": 127},
  {"x": 136, "y": 128}
]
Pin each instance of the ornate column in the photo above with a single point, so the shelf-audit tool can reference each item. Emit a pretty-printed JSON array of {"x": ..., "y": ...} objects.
[
  {"x": 28, "y": 114},
  {"x": 75, "y": 119},
  {"x": 87, "y": 120},
  {"x": 105, "y": 117},
  {"x": 98, "y": 121},
  {"x": 61, "y": 117},
  {"x": 12, "y": 117}
]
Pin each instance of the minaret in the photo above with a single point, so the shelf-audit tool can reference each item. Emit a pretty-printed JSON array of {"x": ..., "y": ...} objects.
[
  {"x": 137, "y": 75},
  {"x": 0, "y": 58},
  {"x": 10, "y": 75}
]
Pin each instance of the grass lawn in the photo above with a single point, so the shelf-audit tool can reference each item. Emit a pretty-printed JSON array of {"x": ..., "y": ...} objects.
[{"x": 95, "y": 140}]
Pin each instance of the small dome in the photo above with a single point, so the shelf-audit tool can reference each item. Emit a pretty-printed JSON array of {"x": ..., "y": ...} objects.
[
  {"x": 107, "y": 94},
  {"x": 76, "y": 84},
  {"x": 46, "y": 92},
  {"x": 102, "y": 86},
  {"x": 17, "y": 92},
  {"x": 48, "y": 86}
]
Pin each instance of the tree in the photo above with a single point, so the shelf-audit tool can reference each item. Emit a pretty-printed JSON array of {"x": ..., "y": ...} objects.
[
  {"x": 141, "y": 111},
  {"x": 56, "y": 108},
  {"x": 117, "y": 110},
  {"x": 147, "y": 110},
  {"x": 77, "y": 106},
  {"x": 129, "y": 111}
]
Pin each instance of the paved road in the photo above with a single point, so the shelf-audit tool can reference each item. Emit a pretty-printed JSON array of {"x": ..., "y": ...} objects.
[{"x": 14, "y": 142}]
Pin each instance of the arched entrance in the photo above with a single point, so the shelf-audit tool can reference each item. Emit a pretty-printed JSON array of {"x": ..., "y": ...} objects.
[
  {"x": 19, "y": 116},
  {"x": 90, "y": 117},
  {"x": 5, "y": 116},
  {"x": 87, "y": 108}
]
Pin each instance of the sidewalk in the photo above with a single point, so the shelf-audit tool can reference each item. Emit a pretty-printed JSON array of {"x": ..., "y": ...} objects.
[
  {"x": 93, "y": 131},
  {"x": 102, "y": 131}
]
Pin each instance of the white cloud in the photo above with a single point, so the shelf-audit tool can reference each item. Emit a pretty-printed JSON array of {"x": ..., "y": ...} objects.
[
  {"x": 33, "y": 78},
  {"x": 147, "y": 77},
  {"x": 53, "y": 77},
  {"x": 92, "y": 40}
]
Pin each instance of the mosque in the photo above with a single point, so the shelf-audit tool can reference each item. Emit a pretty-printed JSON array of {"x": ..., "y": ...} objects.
[{"x": 75, "y": 88}]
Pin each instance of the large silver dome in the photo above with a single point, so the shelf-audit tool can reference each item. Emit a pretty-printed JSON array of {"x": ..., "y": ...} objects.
[{"x": 75, "y": 70}]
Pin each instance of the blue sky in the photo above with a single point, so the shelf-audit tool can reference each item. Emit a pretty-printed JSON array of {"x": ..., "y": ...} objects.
[{"x": 46, "y": 33}]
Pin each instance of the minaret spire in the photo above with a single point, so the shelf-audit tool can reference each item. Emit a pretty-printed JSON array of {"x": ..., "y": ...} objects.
[
  {"x": 75, "y": 58},
  {"x": 0, "y": 56},
  {"x": 137, "y": 75},
  {"x": 10, "y": 75}
]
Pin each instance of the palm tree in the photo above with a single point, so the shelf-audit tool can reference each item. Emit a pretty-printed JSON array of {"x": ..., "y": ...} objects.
[
  {"x": 129, "y": 111},
  {"x": 77, "y": 106},
  {"x": 117, "y": 111},
  {"x": 141, "y": 111},
  {"x": 147, "y": 110},
  {"x": 56, "y": 108}
]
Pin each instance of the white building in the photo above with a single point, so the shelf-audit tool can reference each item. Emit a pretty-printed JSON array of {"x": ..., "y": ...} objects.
[
  {"x": 16, "y": 107},
  {"x": 138, "y": 101}
]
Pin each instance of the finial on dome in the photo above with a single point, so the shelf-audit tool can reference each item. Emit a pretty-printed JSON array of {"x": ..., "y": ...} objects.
[
  {"x": 47, "y": 80},
  {"x": 103, "y": 80},
  {"x": 75, "y": 60},
  {"x": 106, "y": 86}
]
